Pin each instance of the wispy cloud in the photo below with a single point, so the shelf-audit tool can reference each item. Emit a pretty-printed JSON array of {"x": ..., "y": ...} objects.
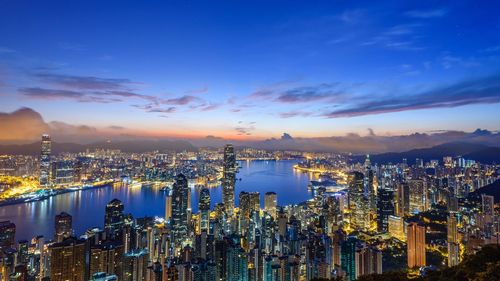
[
  {"x": 291, "y": 114},
  {"x": 203, "y": 90},
  {"x": 426, "y": 14},
  {"x": 245, "y": 128},
  {"x": 56, "y": 94},
  {"x": 478, "y": 91},
  {"x": 303, "y": 94},
  {"x": 84, "y": 82}
]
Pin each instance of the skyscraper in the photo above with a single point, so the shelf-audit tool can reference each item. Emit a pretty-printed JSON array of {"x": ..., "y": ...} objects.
[
  {"x": 45, "y": 161},
  {"x": 270, "y": 203},
  {"x": 228, "y": 178},
  {"x": 114, "y": 219},
  {"x": 67, "y": 260},
  {"x": 63, "y": 227},
  {"x": 416, "y": 245},
  {"x": 417, "y": 196},
  {"x": 385, "y": 208},
  {"x": 358, "y": 202},
  {"x": 179, "y": 222},
  {"x": 249, "y": 202},
  {"x": 7, "y": 235},
  {"x": 452, "y": 239},
  {"x": 348, "y": 258},
  {"x": 168, "y": 206},
  {"x": 204, "y": 209}
]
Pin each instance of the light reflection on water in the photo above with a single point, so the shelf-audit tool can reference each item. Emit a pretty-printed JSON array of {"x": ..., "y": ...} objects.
[{"x": 87, "y": 207}]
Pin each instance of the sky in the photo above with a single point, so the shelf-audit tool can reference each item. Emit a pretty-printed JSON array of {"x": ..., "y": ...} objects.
[{"x": 251, "y": 69}]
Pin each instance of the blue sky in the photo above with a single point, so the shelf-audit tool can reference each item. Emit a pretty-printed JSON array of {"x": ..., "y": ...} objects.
[{"x": 254, "y": 69}]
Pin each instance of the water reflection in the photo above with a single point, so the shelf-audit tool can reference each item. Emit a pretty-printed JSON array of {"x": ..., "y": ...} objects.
[{"x": 87, "y": 207}]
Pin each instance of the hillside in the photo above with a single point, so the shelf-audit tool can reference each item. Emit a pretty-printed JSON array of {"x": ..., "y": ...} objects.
[{"x": 478, "y": 152}]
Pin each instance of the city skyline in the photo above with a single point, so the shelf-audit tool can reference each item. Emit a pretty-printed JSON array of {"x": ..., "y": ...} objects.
[{"x": 248, "y": 71}]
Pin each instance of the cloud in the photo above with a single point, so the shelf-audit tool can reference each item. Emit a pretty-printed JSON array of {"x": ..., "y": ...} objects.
[
  {"x": 186, "y": 99},
  {"x": 198, "y": 91},
  {"x": 21, "y": 125},
  {"x": 84, "y": 82},
  {"x": 291, "y": 114},
  {"x": 55, "y": 94},
  {"x": 304, "y": 94},
  {"x": 308, "y": 94},
  {"x": 244, "y": 128},
  {"x": 477, "y": 91},
  {"x": 426, "y": 14}
]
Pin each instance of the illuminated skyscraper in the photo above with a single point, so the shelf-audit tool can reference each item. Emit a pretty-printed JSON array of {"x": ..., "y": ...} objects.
[
  {"x": 416, "y": 245},
  {"x": 228, "y": 178},
  {"x": 417, "y": 196},
  {"x": 204, "y": 209},
  {"x": 106, "y": 257},
  {"x": 348, "y": 258},
  {"x": 452, "y": 239},
  {"x": 67, "y": 260},
  {"x": 63, "y": 225},
  {"x": 402, "y": 199},
  {"x": 249, "y": 202},
  {"x": 270, "y": 203},
  {"x": 358, "y": 202},
  {"x": 168, "y": 206},
  {"x": 180, "y": 196},
  {"x": 114, "y": 219},
  {"x": 45, "y": 161},
  {"x": 385, "y": 208}
]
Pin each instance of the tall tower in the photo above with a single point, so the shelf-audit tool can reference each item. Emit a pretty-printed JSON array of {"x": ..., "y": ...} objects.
[
  {"x": 204, "y": 209},
  {"x": 180, "y": 196},
  {"x": 358, "y": 203},
  {"x": 270, "y": 203},
  {"x": 416, "y": 245},
  {"x": 453, "y": 246},
  {"x": 228, "y": 179},
  {"x": 63, "y": 224},
  {"x": 45, "y": 160},
  {"x": 114, "y": 219}
]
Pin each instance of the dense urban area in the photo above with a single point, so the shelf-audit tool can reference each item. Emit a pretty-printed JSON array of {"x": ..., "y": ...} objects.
[{"x": 406, "y": 220}]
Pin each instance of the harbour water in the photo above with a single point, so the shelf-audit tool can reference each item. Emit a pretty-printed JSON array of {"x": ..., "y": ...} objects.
[{"x": 87, "y": 206}]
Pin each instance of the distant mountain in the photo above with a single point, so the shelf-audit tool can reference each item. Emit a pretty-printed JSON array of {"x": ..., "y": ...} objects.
[
  {"x": 478, "y": 152},
  {"x": 126, "y": 146}
]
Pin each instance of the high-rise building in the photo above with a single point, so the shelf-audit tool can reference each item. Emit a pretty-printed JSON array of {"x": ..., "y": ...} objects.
[
  {"x": 7, "y": 235},
  {"x": 452, "y": 239},
  {"x": 358, "y": 202},
  {"x": 63, "y": 227},
  {"x": 228, "y": 178},
  {"x": 385, "y": 208},
  {"x": 348, "y": 258},
  {"x": 415, "y": 244},
  {"x": 45, "y": 161},
  {"x": 114, "y": 219},
  {"x": 402, "y": 199},
  {"x": 168, "y": 206},
  {"x": 368, "y": 261},
  {"x": 67, "y": 260},
  {"x": 204, "y": 209},
  {"x": 270, "y": 203},
  {"x": 135, "y": 265},
  {"x": 180, "y": 196},
  {"x": 106, "y": 257},
  {"x": 417, "y": 196},
  {"x": 396, "y": 227},
  {"x": 249, "y": 202}
]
